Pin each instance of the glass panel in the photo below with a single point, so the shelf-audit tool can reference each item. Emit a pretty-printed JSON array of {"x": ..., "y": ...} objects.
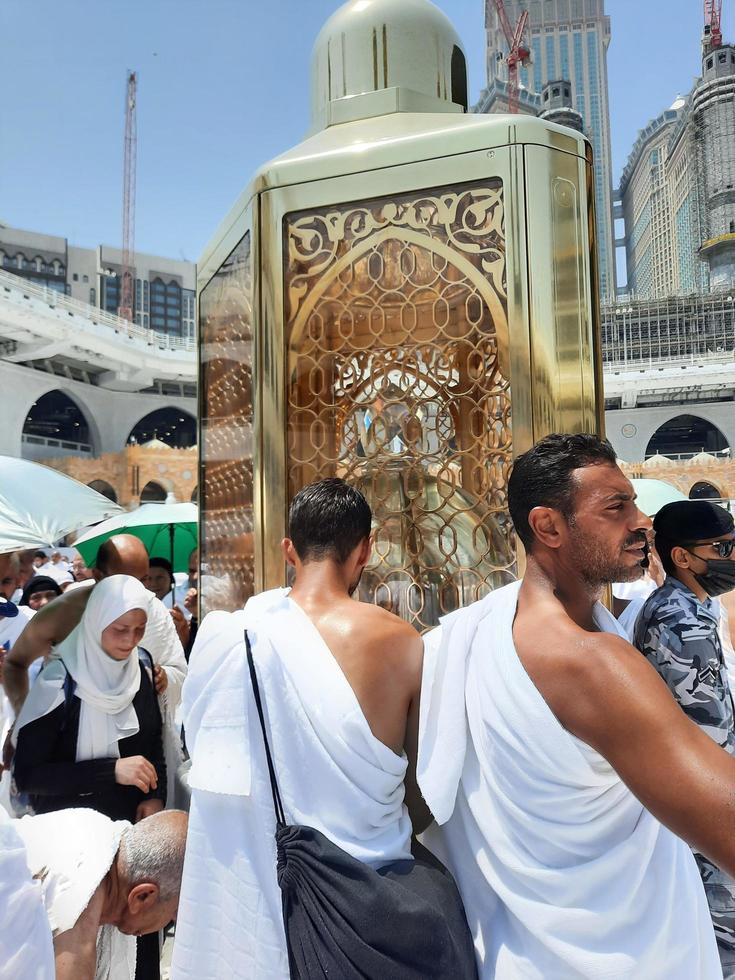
[
  {"x": 397, "y": 380},
  {"x": 226, "y": 434}
]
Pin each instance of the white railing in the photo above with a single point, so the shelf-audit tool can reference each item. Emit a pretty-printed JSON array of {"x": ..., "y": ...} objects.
[
  {"x": 723, "y": 454},
  {"x": 635, "y": 364},
  {"x": 61, "y": 301}
]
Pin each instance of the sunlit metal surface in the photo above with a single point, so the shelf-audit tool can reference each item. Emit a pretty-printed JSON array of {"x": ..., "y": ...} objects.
[
  {"x": 416, "y": 324},
  {"x": 226, "y": 433}
]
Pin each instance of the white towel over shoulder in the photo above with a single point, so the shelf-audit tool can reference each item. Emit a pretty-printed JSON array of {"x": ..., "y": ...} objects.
[
  {"x": 333, "y": 775},
  {"x": 563, "y": 872},
  {"x": 70, "y": 852}
]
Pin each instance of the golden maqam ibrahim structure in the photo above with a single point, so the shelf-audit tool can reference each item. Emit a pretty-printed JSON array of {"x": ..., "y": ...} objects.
[{"x": 406, "y": 299}]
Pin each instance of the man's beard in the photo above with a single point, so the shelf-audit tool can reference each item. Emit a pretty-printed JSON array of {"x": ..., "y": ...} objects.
[{"x": 599, "y": 567}]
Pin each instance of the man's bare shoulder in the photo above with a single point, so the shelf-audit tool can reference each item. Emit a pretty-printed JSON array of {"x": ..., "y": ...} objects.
[
  {"x": 585, "y": 676},
  {"x": 386, "y": 624},
  {"x": 565, "y": 649}
]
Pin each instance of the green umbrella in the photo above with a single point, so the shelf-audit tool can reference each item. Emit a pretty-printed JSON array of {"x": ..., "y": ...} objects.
[
  {"x": 653, "y": 494},
  {"x": 167, "y": 530}
]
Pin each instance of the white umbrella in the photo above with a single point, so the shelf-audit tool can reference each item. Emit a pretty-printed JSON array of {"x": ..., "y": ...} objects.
[
  {"x": 39, "y": 505},
  {"x": 653, "y": 494}
]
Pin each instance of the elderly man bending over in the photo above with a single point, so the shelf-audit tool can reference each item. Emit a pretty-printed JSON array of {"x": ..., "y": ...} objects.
[{"x": 104, "y": 882}]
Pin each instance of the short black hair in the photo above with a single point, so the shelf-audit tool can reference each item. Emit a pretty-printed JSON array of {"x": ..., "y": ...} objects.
[
  {"x": 163, "y": 563},
  {"x": 542, "y": 476},
  {"x": 327, "y": 520},
  {"x": 40, "y": 554}
]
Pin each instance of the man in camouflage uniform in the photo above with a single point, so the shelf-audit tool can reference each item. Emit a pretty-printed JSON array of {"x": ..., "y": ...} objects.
[{"x": 678, "y": 632}]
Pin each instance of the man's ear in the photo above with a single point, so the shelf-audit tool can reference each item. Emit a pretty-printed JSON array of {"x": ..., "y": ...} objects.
[
  {"x": 366, "y": 550},
  {"x": 289, "y": 552},
  {"x": 142, "y": 897},
  {"x": 681, "y": 557},
  {"x": 548, "y": 525}
]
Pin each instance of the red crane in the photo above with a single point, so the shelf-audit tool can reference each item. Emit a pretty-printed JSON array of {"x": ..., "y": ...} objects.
[
  {"x": 130, "y": 152},
  {"x": 713, "y": 20},
  {"x": 518, "y": 53}
]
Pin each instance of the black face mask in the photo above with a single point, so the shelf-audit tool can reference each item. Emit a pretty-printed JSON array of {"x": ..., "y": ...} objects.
[{"x": 719, "y": 577}]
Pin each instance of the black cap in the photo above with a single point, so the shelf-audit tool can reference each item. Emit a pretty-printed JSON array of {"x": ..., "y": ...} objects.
[{"x": 686, "y": 521}]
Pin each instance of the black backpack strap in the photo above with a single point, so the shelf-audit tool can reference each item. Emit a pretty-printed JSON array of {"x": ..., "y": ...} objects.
[
  {"x": 277, "y": 804},
  {"x": 145, "y": 658},
  {"x": 69, "y": 688}
]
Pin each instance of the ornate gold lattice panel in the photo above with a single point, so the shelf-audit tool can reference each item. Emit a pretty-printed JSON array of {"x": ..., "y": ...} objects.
[
  {"x": 226, "y": 442},
  {"x": 397, "y": 381}
]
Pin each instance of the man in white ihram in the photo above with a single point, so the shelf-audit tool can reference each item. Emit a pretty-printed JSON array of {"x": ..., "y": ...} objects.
[
  {"x": 555, "y": 761},
  {"x": 339, "y": 681}
]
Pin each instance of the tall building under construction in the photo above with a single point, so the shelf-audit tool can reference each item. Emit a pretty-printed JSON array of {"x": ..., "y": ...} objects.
[
  {"x": 678, "y": 188},
  {"x": 568, "y": 42}
]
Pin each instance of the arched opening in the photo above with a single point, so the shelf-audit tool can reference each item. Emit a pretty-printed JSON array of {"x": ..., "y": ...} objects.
[
  {"x": 685, "y": 436},
  {"x": 704, "y": 491},
  {"x": 56, "y": 426},
  {"x": 103, "y": 487},
  {"x": 459, "y": 77},
  {"x": 195, "y": 495},
  {"x": 170, "y": 425},
  {"x": 152, "y": 493}
]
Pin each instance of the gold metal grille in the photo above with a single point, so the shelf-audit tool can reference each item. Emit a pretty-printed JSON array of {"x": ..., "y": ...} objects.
[
  {"x": 397, "y": 380},
  {"x": 226, "y": 442}
]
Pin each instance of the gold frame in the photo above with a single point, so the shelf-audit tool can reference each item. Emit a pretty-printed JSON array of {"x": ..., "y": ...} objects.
[{"x": 553, "y": 317}]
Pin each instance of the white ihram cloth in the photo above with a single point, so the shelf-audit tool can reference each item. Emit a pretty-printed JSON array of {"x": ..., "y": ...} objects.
[
  {"x": 563, "y": 872},
  {"x": 70, "y": 852},
  {"x": 333, "y": 774},
  {"x": 26, "y": 948},
  {"x": 105, "y": 687}
]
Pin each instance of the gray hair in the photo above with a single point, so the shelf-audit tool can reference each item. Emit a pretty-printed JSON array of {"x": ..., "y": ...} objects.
[{"x": 153, "y": 851}]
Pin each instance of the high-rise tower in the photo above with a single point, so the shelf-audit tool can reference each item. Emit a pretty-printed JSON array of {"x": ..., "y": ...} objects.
[{"x": 569, "y": 40}]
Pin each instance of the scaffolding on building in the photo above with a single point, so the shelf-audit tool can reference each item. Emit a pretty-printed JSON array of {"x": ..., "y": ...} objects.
[{"x": 679, "y": 328}]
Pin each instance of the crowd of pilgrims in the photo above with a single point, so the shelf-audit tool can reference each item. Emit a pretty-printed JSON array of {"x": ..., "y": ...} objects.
[
  {"x": 97, "y": 729},
  {"x": 325, "y": 734}
]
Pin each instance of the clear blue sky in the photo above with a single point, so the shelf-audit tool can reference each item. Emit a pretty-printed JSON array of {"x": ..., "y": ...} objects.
[{"x": 224, "y": 87}]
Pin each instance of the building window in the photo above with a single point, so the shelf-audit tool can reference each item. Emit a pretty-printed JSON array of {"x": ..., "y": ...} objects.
[
  {"x": 111, "y": 294},
  {"x": 93, "y": 296},
  {"x": 75, "y": 277},
  {"x": 165, "y": 305},
  {"x": 85, "y": 278},
  {"x": 710, "y": 62}
]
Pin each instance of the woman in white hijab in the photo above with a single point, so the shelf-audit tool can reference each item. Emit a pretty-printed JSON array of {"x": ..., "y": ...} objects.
[{"x": 90, "y": 731}]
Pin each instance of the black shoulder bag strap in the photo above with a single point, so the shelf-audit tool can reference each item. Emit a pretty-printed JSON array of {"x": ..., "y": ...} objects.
[{"x": 277, "y": 804}]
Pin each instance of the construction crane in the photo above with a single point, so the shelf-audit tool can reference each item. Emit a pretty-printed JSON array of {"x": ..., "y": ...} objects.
[
  {"x": 518, "y": 53},
  {"x": 130, "y": 152},
  {"x": 713, "y": 23}
]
